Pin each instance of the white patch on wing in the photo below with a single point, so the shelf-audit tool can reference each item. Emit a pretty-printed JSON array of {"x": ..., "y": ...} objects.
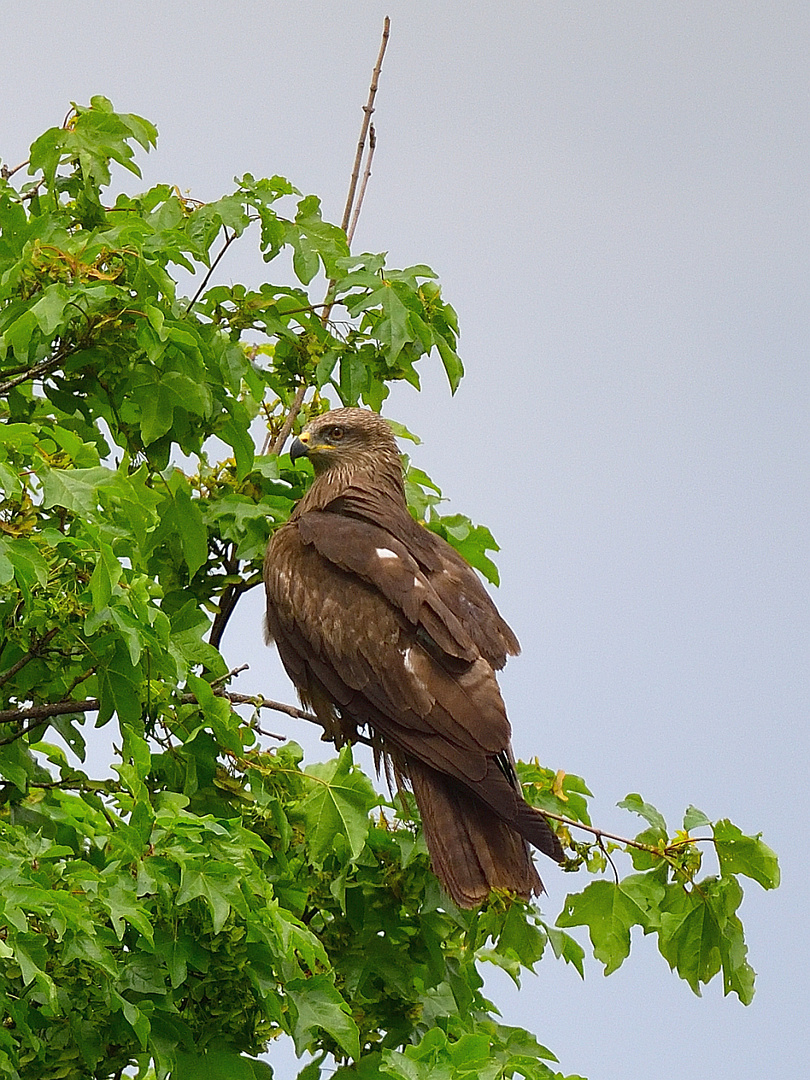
[
  {"x": 410, "y": 667},
  {"x": 417, "y": 584},
  {"x": 386, "y": 553}
]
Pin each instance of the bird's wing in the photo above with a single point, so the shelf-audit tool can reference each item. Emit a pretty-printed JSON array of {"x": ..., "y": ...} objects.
[
  {"x": 455, "y": 583},
  {"x": 359, "y": 625},
  {"x": 350, "y": 609}
]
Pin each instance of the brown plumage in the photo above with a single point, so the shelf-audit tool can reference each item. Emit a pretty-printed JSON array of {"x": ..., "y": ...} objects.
[{"x": 381, "y": 624}]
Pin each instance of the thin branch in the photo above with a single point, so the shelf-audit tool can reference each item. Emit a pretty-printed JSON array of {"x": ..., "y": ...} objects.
[
  {"x": 287, "y": 426},
  {"x": 7, "y": 173},
  {"x": 372, "y": 146},
  {"x": 32, "y": 373},
  {"x": 38, "y": 714},
  {"x": 80, "y": 679},
  {"x": 45, "y": 712},
  {"x": 98, "y": 787},
  {"x": 34, "y": 651},
  {"x": 32, "y": 191},
  {"x": 609, "y": 858},
  {"x": 230, "y": 674},
  {"x": 368, "y": 109},
  {"x": 329, "y": 298},
  {"x": 228, "y": 601},
  {"x": 229, "y": 239},
  {"x": 231, "y": 594},
  {"x": 18, "y": 369},
  {"x": 600, "y": 834}
]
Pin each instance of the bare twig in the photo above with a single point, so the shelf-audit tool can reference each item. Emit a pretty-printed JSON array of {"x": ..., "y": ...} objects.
[
  {"x": 230, "y": 674},
  {"x": 287, "y": 426},
  {"x": 329, "y": 298},
  {"x": 372, "y": 145},
  {"x": 7, "y": 173},
  {"x": 368, "y": 109},
  {"x": 35, "y": 650},
  {"x": 229, "y": 239}
]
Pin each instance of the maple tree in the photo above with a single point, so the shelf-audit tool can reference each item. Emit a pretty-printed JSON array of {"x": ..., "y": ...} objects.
[{"x": 219, "y": 891}]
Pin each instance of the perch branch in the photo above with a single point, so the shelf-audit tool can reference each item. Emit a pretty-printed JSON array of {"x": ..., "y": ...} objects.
[{"x": 600, "y": 834}]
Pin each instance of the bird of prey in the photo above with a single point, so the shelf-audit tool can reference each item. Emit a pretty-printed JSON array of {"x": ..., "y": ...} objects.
[{"x": 382, "y": 626}]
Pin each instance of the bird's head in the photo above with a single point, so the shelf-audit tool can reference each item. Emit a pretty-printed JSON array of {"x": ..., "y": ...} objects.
[{"x": 346, "y": 439}]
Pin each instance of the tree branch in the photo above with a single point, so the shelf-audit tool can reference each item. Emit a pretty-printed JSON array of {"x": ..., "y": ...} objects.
[
  {"x": 35, "y": 650},
  {"x": 287, "y": 426},
  {"x": 368, "y": 109},
  {"x": 600, "y": 834},
  {"x": 372, "y": 146},
  {"x": 7, "y": 173},
  {"x": 32, "y": 373},
  {"x": 229, "y": 239},
  {"x": 39, "y": 714},
  {"x": 329, "y": 299}
]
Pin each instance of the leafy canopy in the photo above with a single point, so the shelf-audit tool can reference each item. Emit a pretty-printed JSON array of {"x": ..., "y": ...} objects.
[{"x": 216, "y": 892}]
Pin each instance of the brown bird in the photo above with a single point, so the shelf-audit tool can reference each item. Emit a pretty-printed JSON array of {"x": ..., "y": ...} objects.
[{"x": 381, "y": 624}]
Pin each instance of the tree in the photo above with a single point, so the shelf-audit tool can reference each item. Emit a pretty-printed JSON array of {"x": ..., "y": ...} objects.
[{"x": 218, "y": 891}]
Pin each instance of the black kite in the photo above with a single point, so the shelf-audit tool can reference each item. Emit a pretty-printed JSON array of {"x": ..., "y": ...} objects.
[{"x": 381, "y": 624}]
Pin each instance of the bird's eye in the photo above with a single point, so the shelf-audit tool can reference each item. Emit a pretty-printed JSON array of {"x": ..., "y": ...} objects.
[{"x": 336, "y": 433}]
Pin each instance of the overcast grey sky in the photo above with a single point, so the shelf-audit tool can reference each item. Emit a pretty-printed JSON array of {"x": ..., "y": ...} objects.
[{"x": 614, "y": 195}]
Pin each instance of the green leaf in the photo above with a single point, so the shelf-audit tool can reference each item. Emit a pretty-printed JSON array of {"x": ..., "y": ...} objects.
[
  {"x": 219, "y": 1065},
  {"x": 120, "y": 901},
  {"x": 318, "y": 1005},
  {"x": 452, "y": 363},
  {"x": 748, "y": 855},
  {"x": 701, "y": 933},
  {"x": 337, "y": 807},
  {"x": 30, "y": 568},
  {"x": 647, "y": 811},
  {"x": 134, "y": 1017},
  {"x": 609, "y": 911},
  {"x": 30, "y": 954},
  {"x": 105, "y": 577},
  {"x": 217, "y": 883},
  {"x": 566, "y": 948},
  {"x": 119, "y": 686},
  {"x": 470, "y": 541},
  {"x": 186, "y": 517},
  {"x": 694, "y": 819},
  {"x": 689, "y": 938},
  {"x": 159, "y": 394},
  {"x": 16, "y": 763}
]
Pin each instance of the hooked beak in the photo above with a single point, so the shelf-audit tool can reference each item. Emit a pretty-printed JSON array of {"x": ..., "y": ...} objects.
[{"x": 299, "y": 447}]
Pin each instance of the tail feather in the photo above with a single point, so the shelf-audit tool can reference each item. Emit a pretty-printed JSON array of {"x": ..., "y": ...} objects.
[
  {"x": 472, "y": 850},
  {"x": 534, "y": 827}
]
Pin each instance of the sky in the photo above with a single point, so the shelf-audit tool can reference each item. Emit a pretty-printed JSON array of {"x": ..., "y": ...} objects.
[{"x": 614, "y": 195}]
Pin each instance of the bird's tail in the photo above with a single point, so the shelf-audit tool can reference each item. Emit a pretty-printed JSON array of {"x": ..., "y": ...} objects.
[{"x": 472, "y": 850}]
